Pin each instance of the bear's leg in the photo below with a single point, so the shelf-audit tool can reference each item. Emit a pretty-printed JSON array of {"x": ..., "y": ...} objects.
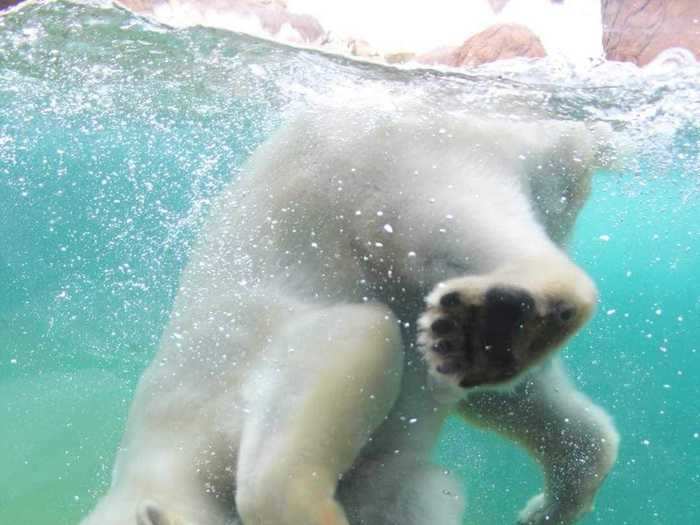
[
  {"x": 574, "y": 440},
  {"x": 391, "y": 490},
  {"x": 131, "y": 507},
  {"x": 157, "y": 490},
  {"x": 489, "y": 328},
  {"x": 151, "y": 513},
  {"x": 338, "y": 372}
]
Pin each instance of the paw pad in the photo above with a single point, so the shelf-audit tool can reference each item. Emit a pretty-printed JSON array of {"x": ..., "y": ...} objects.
[
  {"x": 443, "y": 326},
  {"x": 470, "y": 336},
  {"x": 450, "y": 300}
]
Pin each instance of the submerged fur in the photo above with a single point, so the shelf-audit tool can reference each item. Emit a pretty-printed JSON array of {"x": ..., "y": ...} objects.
[{"x": 290, "y": 387}]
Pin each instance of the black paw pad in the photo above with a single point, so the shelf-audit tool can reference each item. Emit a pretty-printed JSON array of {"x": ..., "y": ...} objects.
[
  {"x": 443, "y": 326},
  {"x": 450, "y": 367},
  {"x": 443, "y": 347},
  {"x": 564, "y": 312},
  {"x": 474, "y": 338},
  {"x": 509, "y": 307},
  {"x": 450, "y": 300}
]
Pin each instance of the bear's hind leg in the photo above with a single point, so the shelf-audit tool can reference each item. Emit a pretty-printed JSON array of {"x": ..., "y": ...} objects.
[
  {"x": 573, "y": 439},
  {"x": 150, "y": 513},
  {"x": 329, "y": 379},
  {"x": 388, "y": 490},
  {"x": 159, "y": 484}
]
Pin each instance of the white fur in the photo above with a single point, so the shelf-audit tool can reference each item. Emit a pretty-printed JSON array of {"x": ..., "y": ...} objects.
[{"x": 290, "y": 360}]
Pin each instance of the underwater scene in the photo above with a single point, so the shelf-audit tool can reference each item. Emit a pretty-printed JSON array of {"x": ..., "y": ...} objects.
[{"x": 116, "y": 135}]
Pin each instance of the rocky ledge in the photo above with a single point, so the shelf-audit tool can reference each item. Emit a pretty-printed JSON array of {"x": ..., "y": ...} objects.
[
  {"x": 638, "y": 30},
  {"x": 498, "y": 42}
]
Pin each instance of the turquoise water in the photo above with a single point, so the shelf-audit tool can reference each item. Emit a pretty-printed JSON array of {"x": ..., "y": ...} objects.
[{"x": 114, "y": 135}]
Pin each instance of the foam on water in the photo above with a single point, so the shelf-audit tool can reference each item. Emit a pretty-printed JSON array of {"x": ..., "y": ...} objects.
[{"x": 114, "y": 134}]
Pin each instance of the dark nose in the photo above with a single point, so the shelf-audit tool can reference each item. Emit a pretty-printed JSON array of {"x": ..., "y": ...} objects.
[{"x": 508, "y": 308}]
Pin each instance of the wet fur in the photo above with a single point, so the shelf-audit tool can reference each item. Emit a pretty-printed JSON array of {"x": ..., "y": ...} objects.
[{"x": 304, "y": 337}]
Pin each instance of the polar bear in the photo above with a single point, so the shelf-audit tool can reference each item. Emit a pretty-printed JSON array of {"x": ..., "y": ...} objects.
[{"x": 376, "y": 268}]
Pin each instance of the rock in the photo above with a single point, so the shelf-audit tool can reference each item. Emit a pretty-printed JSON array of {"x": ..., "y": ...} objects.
[
  {"x": 307, "y": 26},
  {"x": 499, "y": 42},
  {"x": 445, "y": 56},
  {"x": 638, "y": 30},
  {"x": 5, "y": 4},
  {"x": 400, "y": 57},
  {"x": 140, "y": 6},
  {"x": 335, "y": 43},
  {"x": 272, "y": 16},
  {"x": 498, "y": 5}
]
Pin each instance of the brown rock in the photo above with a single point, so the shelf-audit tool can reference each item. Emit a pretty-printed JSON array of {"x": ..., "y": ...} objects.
[
  {"x": 307, "y": 26},
  {"x": 499, "y": 42},
  {"x": 638, "y": 30},
  {"x": 400, "y": 57},
  {"x": 139, "y": 6},
  {"x": 445, "y": 56},
  {"x": 273, "y": 15},
  {"x": 351, "y": 46},
  {"x": 498, "y": 5},
  {"x": 4, "y": 4}
]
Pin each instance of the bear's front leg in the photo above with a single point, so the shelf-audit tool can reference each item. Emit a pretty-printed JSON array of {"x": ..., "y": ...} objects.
[
  {"x": 573, "y": 439},
  {"x": 488, "y": 329},
  {"x": 329, "y": 379}
]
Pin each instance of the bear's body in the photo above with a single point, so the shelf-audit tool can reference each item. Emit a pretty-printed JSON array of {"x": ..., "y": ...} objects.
[{"x": 303, "y": 381}]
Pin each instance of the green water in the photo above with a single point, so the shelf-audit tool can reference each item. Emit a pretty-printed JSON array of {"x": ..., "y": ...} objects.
[{"x": 114, "y": 135}]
